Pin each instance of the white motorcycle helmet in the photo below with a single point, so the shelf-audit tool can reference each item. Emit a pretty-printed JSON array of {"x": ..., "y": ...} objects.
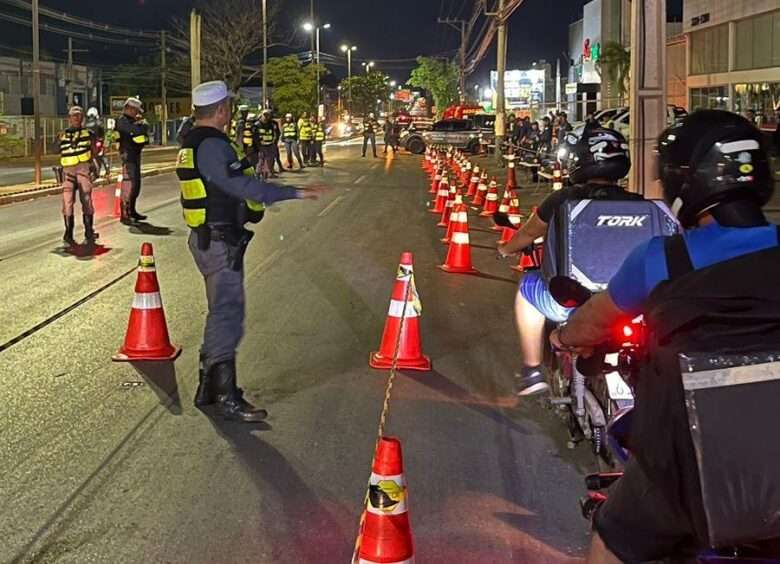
[{"x": 93, "y": 112}]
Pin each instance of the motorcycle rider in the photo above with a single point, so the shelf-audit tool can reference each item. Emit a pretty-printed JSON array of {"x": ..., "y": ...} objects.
[
  {"x": 698, "y": 292},
  {"x": 94, "y": 124},
  {"x": 597, "y": 159}
]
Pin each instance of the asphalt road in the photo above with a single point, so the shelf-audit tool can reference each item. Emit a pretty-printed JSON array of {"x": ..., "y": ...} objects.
[
  {"x": 105, "y": 462},
  {"x": 21, "y": 171}
]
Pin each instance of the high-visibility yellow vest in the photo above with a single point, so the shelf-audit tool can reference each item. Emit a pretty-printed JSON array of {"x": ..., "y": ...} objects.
[
  {"x": 305, "y": 131},
  {"x": 198, "y": 206},
  {"x": 319, "y": 133},
  {"x": 248, "y": 137},
  {"x": 75, "y": 147},
  {"x": 290, "y": 131}
]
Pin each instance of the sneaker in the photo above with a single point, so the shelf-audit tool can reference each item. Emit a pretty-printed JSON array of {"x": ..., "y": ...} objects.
[{"x": 531, "y": 382}]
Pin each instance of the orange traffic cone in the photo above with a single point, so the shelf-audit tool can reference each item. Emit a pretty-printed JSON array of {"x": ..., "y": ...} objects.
[
  {"x": 458, "y": 213},
  {"x": 118, "y": 197},
  {"x": 479, "y": 198},
  {"x": 557, "y": 176},
  {"x": 526, "y": 263},
  {"x": 465, "y": 176},
  {"x": 386, "y": 534},
  {"x": 503, "y": 207},
  {"x": 435, "y": 182},
  {"x": 491, "y": 200},
  {"x": 511, "y": 176},
  {"x": 458, "y": 259},
  {"x": 410, "y": 356},
  {"x": 515, "y": 218},
  {"x": 445, "y": 215},
  {"x": 473, "y": 184},
  {"x": 147, "y": 333},
  {"x": 441, "y": 195}
]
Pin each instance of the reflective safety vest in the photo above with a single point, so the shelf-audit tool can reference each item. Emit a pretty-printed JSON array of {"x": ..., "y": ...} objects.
[
  {"x": 289, "y": 131},
  {"x": 265, "y": 133},
  {"x": 248, "y": 134},
  {"x": 319, "y": 133},
  {"x": 305, "y": 131},
  {"x": 202, "y": 205},
  {"x": 141, "y": 139},
  {"x": 75, "y": 147}
]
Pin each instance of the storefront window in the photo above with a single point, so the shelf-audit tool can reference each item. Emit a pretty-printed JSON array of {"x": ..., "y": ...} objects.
[
  {"x": 762, "y": 98},
  {"x": 758, "y": 42},
  {"x": 714, "y": 98},
  {"x": 710, "y": 50}
]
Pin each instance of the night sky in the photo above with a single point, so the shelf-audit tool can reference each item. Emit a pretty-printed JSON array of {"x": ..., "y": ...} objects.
[{"x": 382, "y": 29}]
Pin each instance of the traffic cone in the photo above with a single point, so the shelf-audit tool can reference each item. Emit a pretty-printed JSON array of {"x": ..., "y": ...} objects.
[
  {"x": 479, "y": 197},
  {"x": 515, "y": 218},
  {"x": 458, "y": 213},
  {"x": 441, "y": 195},
  {"x": 435, "y": 182},
  {"x": 445, "y": 214},
  {"x": 426, "y": 162},
  {"x": 147, "y": 333},
  {"x": 511, "y": 176},
  {"x": 491, "y": 200},
  {"x": 410, "y": 356},
  {"x": 118, "y": 197},
  {"x": 557, "y": 176},
  {"x": 386, "y": 534},
  {"x": 503, "y": 207},
  {"x": 473, "y": 184},
  {"x": 465, "y": 176},
  {"x": 458, "y": 259}
]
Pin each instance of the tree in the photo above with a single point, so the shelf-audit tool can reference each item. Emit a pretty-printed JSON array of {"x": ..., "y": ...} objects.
[
  {"x": 294, "y": 86},
  {"x": 232, "y": 31},
  {"x": 440, "y": 77},
  {"x": 616, "y": 61},
  {"x": 366, "y": 90}
]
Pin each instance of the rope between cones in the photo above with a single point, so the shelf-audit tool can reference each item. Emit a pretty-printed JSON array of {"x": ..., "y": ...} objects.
[{"x": 386, "y": 404}]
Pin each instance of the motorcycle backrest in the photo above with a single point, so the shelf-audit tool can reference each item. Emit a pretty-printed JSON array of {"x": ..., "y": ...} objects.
[
  {"x": 733, "y": 418},
  {"x": 588, "y": 240}
]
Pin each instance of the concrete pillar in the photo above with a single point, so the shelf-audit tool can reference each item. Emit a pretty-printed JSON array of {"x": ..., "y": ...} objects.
[{"x": 648, "y": 92}]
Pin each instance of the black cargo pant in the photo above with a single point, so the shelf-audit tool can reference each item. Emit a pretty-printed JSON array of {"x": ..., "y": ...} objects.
[{"x": 131, "y": 182}]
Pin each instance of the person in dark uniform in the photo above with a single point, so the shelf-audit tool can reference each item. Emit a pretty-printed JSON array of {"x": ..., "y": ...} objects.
[
  {"x": 319, "y": 134},
  {"x": 264, "y": 131},
  {"x": 76, "y": 149},
  {"x": 370, "y": 125},
  {"x": 133, "y": 137},
  {"x": 277, "y": 138},
  {"x": 220, "y": 194}
]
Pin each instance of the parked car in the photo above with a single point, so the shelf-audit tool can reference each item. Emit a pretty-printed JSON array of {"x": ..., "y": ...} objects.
[{"x": 459, "y": 133}]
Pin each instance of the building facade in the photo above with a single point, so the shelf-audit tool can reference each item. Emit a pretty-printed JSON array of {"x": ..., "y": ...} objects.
[{"x": 734, "y": 55}]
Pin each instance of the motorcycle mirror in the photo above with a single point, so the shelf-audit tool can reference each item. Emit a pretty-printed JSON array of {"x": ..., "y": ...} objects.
[
  {"x": 502, "y": 220},
  {"x": 568, "y": 292}
]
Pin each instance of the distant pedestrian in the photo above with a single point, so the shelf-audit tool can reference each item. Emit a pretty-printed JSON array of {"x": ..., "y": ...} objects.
[
  {"x": 370, "y": 125},
  {"x": 306, "y": 136},
  {"x": 391, "y": 135},
  {"x": 318, "y": 142},
  {"x": 277, "y": 138},
  {"x": 290, "y": 139},
  {"x": 133, "y": 137},
  {"x": 76, "y": 147},
  {"x": 264, "y": 131}
]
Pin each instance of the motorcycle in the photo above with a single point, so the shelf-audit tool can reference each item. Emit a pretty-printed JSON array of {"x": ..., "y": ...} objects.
[{"x": 630, "y": 342}]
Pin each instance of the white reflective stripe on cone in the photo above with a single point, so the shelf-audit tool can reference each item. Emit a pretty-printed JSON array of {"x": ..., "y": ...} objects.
[
  {"x": 463, "y": 217},
  {"x": 460, "y": 238},
  {"x": 147, "y": 301},
  {"x": 117, "y": 192},
  {"x": 492, "y": 197},
  {"x": 394, "y": 487},
  {"x": 397, "y": 309}
]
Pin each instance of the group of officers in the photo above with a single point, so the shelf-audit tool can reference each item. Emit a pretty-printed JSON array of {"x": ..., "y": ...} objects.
[
  {"x": 259, "y": 138},
  {"x": 81, "y": 159}
]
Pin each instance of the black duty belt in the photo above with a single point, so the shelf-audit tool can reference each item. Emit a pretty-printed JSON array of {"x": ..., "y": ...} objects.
[{"x": 224, "y": 233}]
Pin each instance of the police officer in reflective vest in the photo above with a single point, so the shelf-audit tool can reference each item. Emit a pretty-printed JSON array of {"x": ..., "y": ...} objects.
[
  {"x": 133, "y": 137},
  {"x": 219, "y": 194},
  {"x": 319, "y": 140},
  {"x": 306, "y": 136},
  {"x": 290, "y": 138},
  {"x": 76, "y": 148},
  {"x": 370, "y": 125},
  {"x": 265, "y": 144}
]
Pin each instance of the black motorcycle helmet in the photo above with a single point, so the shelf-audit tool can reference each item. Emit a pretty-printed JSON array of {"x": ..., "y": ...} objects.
[
  {"x": 594, "y": 152},
  {"x": 714, "y": 161}
]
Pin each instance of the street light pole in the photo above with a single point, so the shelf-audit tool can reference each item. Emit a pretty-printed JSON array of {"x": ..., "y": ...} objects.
[
  {"x": 36, "y": 87},
  {"x": 265, "y": 55},
  {"x": 317, "y": 34},
  {"x": 501, "y": 71}
]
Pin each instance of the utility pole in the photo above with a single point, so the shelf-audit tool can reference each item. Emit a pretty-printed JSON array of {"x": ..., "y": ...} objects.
[
  {"x": 500, "y": 90},
  {"x": 194, "y": 48},
  {"x": 459, "y": 25},
  {"x": 265, "y": 54},
  {"x": 317, "y": 33},
  {"x": 312, "y": 20},
  {"x": 648, "y": 91},
  {"x": 69, "y": 72},
  {"x": 163, "y": 89},
  {"x": 36, "y": 87},
  {"x": 558, "y": 93}
]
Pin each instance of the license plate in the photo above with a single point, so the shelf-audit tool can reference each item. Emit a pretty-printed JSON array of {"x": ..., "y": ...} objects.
[{"x": 618, "y": 389}]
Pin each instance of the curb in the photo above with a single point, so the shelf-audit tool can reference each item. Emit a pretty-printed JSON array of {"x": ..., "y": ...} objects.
[{"x": 35, "y": 193}]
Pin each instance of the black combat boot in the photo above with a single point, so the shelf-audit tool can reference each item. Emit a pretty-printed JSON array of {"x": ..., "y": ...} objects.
[
  {"x": 125, "y": 218},
  {"x": 230, "y": 399},
  {"x": 68, "y": 236},
  {"x": 134, "y": 212},
  {"x": 204, "y": 395},
  {"x": 89, "y": 228}
]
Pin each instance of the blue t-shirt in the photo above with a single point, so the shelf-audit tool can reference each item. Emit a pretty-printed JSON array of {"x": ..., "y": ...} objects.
[{"x": 645, "y": 267}]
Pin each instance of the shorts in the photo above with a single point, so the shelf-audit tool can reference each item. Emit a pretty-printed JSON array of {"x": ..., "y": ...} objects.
[
  {"x": 638, "y": 523},
  {"x": 534, "y": 289}
]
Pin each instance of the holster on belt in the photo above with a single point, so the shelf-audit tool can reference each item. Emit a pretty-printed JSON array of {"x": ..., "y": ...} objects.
[
  {"x": 203, "y": 233},
  {"x": 237, "y": 251}
]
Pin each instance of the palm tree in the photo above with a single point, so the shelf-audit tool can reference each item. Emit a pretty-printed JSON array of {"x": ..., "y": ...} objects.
[{"x": 616, "y": 60}]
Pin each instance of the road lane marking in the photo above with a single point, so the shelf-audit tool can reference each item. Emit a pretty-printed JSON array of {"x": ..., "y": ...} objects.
[
  {"x": 359, "y": 179},
  {"x": 265, "y": 263},
  {"x": 330, "y": 206}
]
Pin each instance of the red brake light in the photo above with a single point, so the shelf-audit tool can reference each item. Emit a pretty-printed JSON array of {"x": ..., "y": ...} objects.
[{"x": 628, "y": 331}]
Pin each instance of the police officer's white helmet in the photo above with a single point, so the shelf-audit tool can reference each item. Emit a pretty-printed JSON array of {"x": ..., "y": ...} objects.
[
  {"x": 251, "y": 116},
  {"x": 371, "y": 115},
  {"x": 243, "y": 108},
  {"x": 288, "y": 116},
  {"x": 93, "y": 112}
]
